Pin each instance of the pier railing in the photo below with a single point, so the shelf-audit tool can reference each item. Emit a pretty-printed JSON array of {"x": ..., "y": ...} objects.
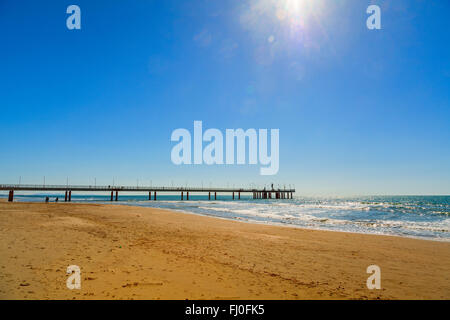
[
  {"x": 258, "y": 193},
  {"x": 42, "y": 187}
]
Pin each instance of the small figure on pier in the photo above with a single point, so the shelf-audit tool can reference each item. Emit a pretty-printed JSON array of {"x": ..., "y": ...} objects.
[{"x": 46, "y": 199}]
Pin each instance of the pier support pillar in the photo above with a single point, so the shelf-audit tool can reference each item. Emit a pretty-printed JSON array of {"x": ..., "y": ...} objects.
[
  {"x": 181, "y": 195},
  {"x": 187, "y": 195},
  {"x": 11, "y": 196},
  {"x": 291, "y": 195},
  {"x": 154, "y": 196},
  {"x": 209, "y": 195},
  {"x": 112, "y": 195},
  {"x": 70, "y": 195},
  {"x": 233, "y": 195},
  {"x": 239, "y": 195},
  {"x": 65, "y": 197},
  {"x": 149, "y": 195},
  {"x": 215, "y": 195},
  {"x": 117, "y": 195}
]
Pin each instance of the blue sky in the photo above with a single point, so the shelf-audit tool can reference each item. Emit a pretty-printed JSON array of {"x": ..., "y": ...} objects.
[{"x": 359, "y": 111}]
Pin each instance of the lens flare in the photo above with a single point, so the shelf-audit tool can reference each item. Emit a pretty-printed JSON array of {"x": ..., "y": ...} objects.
[
  {"x": 278, "y": 16},
  {"x": 283, "y": 29}
]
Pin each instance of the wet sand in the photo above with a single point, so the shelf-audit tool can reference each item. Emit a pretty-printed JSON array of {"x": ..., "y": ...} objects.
[{"x": 144, "y": 253}]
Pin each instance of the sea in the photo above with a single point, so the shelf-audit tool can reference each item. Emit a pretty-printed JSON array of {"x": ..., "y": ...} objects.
[{"x": 424, "y": 217}]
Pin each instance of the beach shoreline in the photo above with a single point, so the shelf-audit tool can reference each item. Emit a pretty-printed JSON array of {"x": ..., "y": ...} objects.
[
  {"x": 129, "y": 252},
  {"x": 417, "y": 217},
  {"x": 286, "y": 225}
]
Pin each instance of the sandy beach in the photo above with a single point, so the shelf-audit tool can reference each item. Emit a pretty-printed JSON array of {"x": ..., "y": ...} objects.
[{"x": 129, "y": 252}]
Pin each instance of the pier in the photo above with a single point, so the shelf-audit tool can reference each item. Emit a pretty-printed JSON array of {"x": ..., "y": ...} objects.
[{"x": 152, "y": 191}]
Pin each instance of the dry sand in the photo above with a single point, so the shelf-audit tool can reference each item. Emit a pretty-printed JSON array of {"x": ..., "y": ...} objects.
[{"x": 142, "y": 253}]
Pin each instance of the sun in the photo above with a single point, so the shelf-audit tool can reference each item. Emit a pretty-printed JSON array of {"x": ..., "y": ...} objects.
[
  {"x": 278, "y": 14},
  {"x": 281, "y": 26},
  {"x": 295, "y": 6},
  {"x": 295, "y": 11}
]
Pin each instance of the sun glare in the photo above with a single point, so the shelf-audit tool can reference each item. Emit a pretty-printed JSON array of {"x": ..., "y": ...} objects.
[
  {"x": 282, "y": 27},
  {"x": 295, "y": 12},
  {"x": 294, "y": 15}
]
